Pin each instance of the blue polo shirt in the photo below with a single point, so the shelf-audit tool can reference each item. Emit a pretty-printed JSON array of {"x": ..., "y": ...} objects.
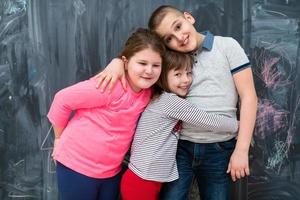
[{"x": 213, "y": 87}]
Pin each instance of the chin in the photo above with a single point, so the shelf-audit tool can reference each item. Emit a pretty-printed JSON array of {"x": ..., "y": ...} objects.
[
  {"x": 146, "y": 86},
  {"x": 192, "y": 46},
  {"x": 182, "y": 96},
  {"x": 188, "y": 49}
]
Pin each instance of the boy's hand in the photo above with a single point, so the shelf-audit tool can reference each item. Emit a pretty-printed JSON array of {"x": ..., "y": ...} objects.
[
  {"x": 113, "y": 71},
  {"x": 238, "y": 166}
]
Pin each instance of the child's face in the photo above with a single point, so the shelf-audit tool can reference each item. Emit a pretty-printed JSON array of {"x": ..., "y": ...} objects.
[
  {"x": 143, "y": 69},
  {"x": 179, "y": 33},
  {"x": 180, "y": 80}
]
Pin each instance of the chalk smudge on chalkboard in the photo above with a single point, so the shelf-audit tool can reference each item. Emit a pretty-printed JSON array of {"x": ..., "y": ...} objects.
[{"x": 270, "y": 118}]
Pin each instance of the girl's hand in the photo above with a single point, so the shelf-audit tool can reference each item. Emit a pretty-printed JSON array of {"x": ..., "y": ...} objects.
[
  {"x": 113, "y": 71},
  {"x": 56, "y": 141},
  {"x": 238, "y": 166}
]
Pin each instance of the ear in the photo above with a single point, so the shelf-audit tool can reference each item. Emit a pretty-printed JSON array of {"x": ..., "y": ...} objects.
[
  {"x": 189, "y": 17},
  {"x": 125, "y": 61}
]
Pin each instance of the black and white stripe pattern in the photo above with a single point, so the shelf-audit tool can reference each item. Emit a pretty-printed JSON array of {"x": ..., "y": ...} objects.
[{"x": 153, "y": 151}]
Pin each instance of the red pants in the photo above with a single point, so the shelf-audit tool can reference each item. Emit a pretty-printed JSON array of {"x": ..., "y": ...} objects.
[{"x": 135, "y": 188}]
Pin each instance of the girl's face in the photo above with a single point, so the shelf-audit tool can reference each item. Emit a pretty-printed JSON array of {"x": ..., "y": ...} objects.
[
  {"x": 180, "y": 80},
  {"x": 143, "y": 69}
]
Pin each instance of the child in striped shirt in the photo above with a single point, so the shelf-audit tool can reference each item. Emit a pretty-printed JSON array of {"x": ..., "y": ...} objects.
[{"x": 153, "y": 151}]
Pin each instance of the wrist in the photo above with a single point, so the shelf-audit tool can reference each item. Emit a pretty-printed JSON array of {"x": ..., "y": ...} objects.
[{"x": 241, "y": 149}]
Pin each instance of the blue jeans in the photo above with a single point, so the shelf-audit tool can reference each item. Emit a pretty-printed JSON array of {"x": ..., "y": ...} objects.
[
  {"x": 208, "y": 164},
  {"x": 76, "y": 186}
]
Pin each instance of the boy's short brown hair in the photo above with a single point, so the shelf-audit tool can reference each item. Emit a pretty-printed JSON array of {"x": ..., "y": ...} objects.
[{"x": 159, "y": 14}]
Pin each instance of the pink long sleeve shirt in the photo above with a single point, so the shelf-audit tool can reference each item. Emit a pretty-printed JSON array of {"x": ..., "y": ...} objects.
[{"x": 96, "y": 139}]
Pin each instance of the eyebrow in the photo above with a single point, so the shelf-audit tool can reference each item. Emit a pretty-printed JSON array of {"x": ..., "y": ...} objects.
[
  {"x": 174, "y": 23},
  {"x": 157, "y": 63},
  {"x": 141, "y": 60},
  {"x": 165, "y": 37}
]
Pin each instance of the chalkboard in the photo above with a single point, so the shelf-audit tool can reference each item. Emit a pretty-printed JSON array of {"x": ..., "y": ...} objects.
[
  {"x": 47, "y": 45},
  {"x": 275, "y": 53}
]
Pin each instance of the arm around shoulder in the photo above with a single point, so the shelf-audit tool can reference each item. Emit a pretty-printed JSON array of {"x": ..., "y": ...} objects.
[{"x": 112, "y": 72}]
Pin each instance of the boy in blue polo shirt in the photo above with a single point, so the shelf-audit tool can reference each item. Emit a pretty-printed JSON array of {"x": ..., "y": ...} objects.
[{"x": 221, "y": 73}]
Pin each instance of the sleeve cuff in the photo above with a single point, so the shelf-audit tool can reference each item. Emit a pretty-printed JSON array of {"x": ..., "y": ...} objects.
[{"x": 240, "y": 68}]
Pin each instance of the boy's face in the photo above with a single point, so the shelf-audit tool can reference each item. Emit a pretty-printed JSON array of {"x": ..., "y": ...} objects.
[{"x": 179, "y": 33}]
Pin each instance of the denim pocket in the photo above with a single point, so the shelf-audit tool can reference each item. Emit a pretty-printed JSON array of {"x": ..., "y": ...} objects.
[{"x": 227, "y": 146}]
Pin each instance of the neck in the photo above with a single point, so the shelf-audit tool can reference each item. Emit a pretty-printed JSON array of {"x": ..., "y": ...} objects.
[
  {"x": 133, "y": 87},
  {"x": 200, "y": 39}
]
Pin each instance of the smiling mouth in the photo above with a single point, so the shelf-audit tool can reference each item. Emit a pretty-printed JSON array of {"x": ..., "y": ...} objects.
[
  {"x": 184, "y": 88},
  {"x": 147, "y": 78},
  {"x": 185, "y": 41}
]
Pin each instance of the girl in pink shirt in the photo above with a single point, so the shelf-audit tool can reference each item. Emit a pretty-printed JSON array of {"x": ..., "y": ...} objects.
[{"x": 90, "y": 146}]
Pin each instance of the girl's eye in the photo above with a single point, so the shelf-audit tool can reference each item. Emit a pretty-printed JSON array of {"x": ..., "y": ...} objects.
[
  {"x": 142, "y": 63},
  {"x": 156, "y": 65},
  {"x": 178, "y": 74},
  {"x": 189, "y": 73}
]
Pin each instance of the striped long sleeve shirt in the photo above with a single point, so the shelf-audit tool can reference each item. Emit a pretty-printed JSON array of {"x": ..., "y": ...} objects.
[{"x": 153, "y": 151}]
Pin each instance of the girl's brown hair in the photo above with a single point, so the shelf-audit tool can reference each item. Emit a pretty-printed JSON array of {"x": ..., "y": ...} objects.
[
  {"x": 171, "y": 60},
  {"x": 142, "y": 39}
]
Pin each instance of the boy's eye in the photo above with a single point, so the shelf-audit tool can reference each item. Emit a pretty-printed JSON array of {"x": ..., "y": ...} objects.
[
  {"x": 142, "y": 63},
  {"x": 177, "y": 27},
  {"x": 168, "y": 40}
]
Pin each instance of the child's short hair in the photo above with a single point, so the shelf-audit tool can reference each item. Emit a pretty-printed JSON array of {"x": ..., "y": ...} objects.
[
  {"x": 142, "y": 39},
  {"x": 172, "y": 60},
  {"x": 159, "y": 14}
]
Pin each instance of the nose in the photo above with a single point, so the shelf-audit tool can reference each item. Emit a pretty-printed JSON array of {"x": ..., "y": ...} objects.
[
  {"x": 185, "y": 78},
  {"x": 148, "y": 69},
  {"x": 178, "y": 36}
]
